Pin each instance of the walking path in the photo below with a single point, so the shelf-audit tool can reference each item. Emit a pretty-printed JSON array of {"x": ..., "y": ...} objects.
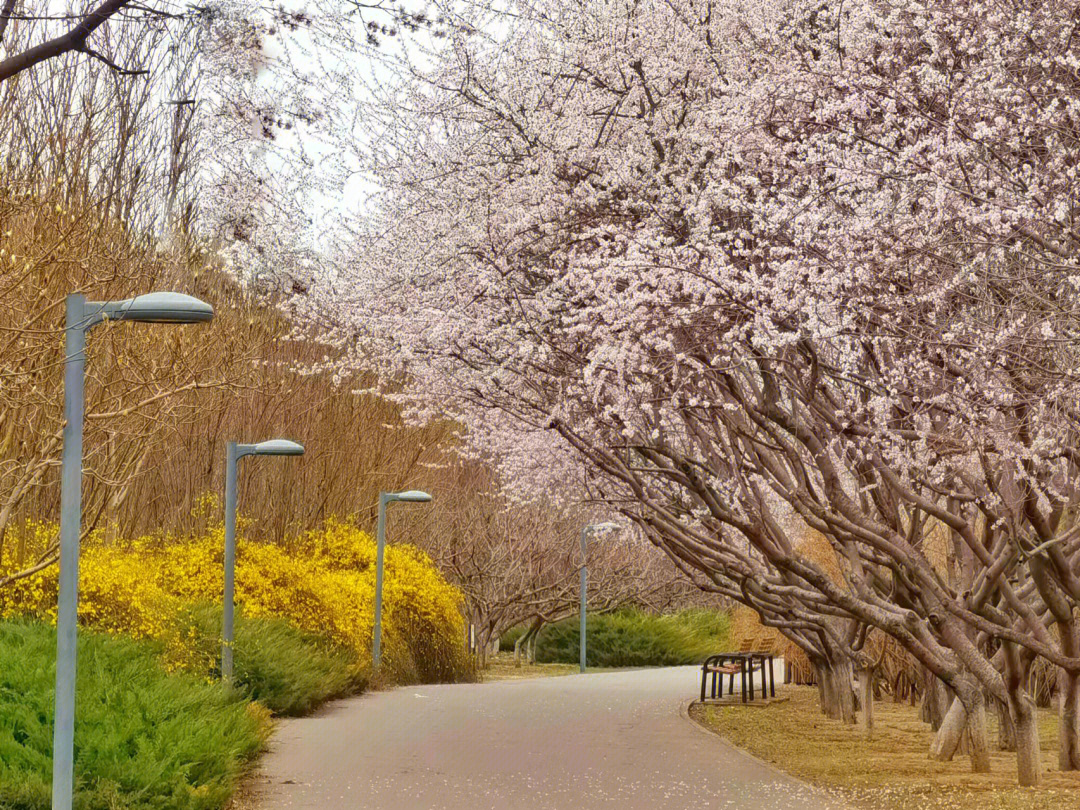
[{"x": 577, "y": 742}]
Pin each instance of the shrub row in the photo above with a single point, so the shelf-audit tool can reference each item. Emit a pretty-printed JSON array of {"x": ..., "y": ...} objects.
[
  {"x": 155, "y": 728},
  {"x": 633, "y": 638},
  {"x": 322, "y": 582}
]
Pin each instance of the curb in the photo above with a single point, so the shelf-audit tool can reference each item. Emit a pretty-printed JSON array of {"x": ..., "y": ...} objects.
[
  {"x": 834, "y": 802},
  {"x": 684, "y": 710}
]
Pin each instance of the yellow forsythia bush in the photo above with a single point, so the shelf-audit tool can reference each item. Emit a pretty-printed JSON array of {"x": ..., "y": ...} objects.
[{"x": 322, "y": 582}]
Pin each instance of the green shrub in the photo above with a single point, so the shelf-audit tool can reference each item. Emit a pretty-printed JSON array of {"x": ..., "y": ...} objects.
[
  {"x": 143, "y": 739},
  {"x": 633, "y": 638},
  {"x": 286, "y": 669}
]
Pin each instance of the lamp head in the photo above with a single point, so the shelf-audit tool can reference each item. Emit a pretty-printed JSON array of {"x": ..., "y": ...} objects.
[
  {"x": 158, "y": 307},
  {"x": 412, "y": 496},
  {"x": 277, "y": 447}
]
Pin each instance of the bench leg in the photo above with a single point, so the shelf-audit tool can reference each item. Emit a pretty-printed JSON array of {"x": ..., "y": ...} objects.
[
  {"x": 742, "y": 676},
  {"x": 731, "y": 684},
  {"x": 704, "y": 677},
  {"x": 772, "y": 679}
]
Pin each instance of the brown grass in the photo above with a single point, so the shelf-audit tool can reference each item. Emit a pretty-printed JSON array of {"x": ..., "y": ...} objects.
[
  {"x": 891, "y": 771},
  {"x": 501, "y": 668}
]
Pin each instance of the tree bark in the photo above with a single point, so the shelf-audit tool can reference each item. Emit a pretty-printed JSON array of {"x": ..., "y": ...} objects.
[
  {"x": 949, "y": 733},
  {"x": 1006, "y": 729},
  {"x": 935, "y": 701},
  {"x": 836, "y": 686},
  {"x": 1023, "y": 713},
  {"x": 964, "y": 726},
  {"x": 977, "y": 735},
  {"x": 73, "y": 40},
  {"x": 1069, "y": 718},
  {"x": 866, "y": 682},
  {"x": 532, "y": 643},
  {"x": 1024, "y": 717},
  {"x": 523, "y": 638}
]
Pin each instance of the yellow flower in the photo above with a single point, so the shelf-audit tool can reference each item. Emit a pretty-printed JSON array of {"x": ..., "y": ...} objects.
[{"x": 322, "y": 582}]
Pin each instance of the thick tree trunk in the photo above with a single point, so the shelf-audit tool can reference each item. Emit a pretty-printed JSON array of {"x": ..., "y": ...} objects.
[
  {"x": 837, "y": 689},
  {"x": 866, "y": 682},
  {"x": 949, "y": 733},
  {"x": 1024, "y": 717},
  {"x": 964, "y": 726},
  {"x": 1006, "y": 729},
  {"x": 1069, "y": 714},
  {"x": 977, "y": 735},
  {"x": 935, "y": 701},
  {"x": 1023, "y": 713}
]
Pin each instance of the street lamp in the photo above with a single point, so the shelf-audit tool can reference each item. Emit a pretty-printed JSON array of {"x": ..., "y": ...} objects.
[
  {"x": 412, "y": 496},
  {"x": 233, "y": 453},
  {"x": 81, "y": 317},
  {"x": 593, "y": 527}
]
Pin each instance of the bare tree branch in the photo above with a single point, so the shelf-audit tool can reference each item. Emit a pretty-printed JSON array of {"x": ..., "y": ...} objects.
[{"x": 73, "y": 40}]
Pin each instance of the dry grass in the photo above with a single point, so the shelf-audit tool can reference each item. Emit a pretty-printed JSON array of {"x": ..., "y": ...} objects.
[
  {"x": 891, "y": 771},
  {"x": 501, "y": 668}
]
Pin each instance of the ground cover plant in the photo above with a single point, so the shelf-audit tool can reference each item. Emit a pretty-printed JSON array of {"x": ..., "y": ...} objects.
[
  {"x": 145, "y": 738},
  {"x": 287, "y": 670},
  {"x": 155, "y": 727},
  {"x": 321, "y": 582},
  {"x": 633, "y": 638},
  {"x": 891, "y": 771}
]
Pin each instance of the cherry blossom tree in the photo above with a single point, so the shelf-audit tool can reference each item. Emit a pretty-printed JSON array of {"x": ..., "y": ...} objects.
[{"x": 754, "y": 271}]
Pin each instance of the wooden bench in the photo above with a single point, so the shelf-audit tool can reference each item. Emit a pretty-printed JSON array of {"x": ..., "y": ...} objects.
[{"x": 744, "y": 664}]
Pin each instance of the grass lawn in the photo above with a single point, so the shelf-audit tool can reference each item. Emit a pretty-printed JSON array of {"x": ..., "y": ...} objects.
[
  {"x": 892, "y": 771},
  {"x": 501, "y": 668}
]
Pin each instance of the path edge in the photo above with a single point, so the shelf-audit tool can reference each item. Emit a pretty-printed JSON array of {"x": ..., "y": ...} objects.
[{"x": 839, "y": 803}]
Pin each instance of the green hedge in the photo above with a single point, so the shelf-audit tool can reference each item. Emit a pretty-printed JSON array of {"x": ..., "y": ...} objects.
[
  {"x": 285, "y": 669},
  {"x": 633, "y": 638},
  {"x": 144, "y": 739}
]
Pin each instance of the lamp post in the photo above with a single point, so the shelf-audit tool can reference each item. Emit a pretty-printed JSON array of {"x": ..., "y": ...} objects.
[
  {"x": 81, "y": 317},
  {"x": 412, "y": 496},
  {"x": 233, "y": 453},
  {"x": 592, "y": 527}
]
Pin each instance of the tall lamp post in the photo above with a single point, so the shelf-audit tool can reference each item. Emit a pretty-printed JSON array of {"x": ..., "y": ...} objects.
[
  {"x": 592, "y": 527},
  {"x": 412, "y": 496},
  {"x": 82, "y": 316},
  {"x": 233, "y": 453}
]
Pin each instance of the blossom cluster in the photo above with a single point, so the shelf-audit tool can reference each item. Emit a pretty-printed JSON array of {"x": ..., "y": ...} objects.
[{"x": 322, "y": 581}]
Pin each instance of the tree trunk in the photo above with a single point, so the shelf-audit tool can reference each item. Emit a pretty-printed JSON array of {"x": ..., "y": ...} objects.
[
  {"x": 866, "y": 681},
  {"x": 517, "y": 647},
  {"x": 1006, "y": 729},
  {"x": 532, "y": 642},
  {"x": 935, "y": 701},
  {"x": 947, "y": 739},
  {"x": 964, "y": 725},
  {"x": 1069, "y": 716},
  {"x": 1024, "y": 717},
  {"x": 977, "y": 735},
  {"x": 836, "y": 686}
]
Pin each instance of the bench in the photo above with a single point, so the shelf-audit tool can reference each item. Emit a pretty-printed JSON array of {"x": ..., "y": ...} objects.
[{"x": 744, "y": 664}]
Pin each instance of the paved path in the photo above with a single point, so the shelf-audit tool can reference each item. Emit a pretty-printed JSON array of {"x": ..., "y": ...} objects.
[{"x": 577, "y": 742}]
